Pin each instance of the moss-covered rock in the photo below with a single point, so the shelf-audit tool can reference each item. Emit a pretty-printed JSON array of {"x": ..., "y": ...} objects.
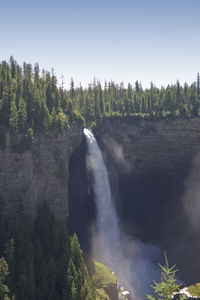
[
  {"x": 194, "y": 290},
  {"x": 105, "y": 283},
  {"x": 101, "y": 295}
]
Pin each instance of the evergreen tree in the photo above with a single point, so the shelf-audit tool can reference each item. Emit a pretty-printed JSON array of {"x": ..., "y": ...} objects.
[
  {"x": 4, "y": 291},
  {"x": 72, "y": 90},
  {"x": 168, "y": 284},
  {"x": 10, "y": 258},
  {"x": 22, "y": 114},
  {"x": 2, "y": 226},
  {"x": 13, "y": 122},
  {"x": 81, "y": 284},
  {"x": 29, "y": 100},
  {"x": 198, "y": 85}
]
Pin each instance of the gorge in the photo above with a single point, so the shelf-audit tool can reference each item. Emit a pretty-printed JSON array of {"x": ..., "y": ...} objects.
[{"x": 153, "y": 167}]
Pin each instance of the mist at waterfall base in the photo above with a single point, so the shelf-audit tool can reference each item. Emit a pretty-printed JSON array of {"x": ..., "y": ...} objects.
[{"x": 133, "y": 262}]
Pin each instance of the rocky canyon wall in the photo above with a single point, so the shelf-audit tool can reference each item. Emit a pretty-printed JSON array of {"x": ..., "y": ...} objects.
[
  {"x": 154, "y": 169},
  {"x": 143, "y": 146},
  {"x": 30, "y": 175}
]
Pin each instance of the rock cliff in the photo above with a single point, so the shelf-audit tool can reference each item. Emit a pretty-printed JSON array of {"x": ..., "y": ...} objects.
[
  {"x": 33, "y": 173},
  {"x": 145, "y": 146},
  {"x": 154, "y": 169}
]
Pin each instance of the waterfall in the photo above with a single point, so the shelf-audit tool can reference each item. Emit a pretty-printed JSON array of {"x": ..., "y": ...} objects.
[
  {"x": 107, "y": 221},
  {"x": 106, "y": 241},
  {"x": 131, "y": 260}
]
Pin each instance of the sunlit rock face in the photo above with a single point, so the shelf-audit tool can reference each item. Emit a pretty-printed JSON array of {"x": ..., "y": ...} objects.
[
  {"x": 152, "y": 166},
  {"x": 30, "y": 174}
]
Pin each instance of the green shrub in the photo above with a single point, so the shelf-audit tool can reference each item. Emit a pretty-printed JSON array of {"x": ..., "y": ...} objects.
[{"x": 168, "y": 284}]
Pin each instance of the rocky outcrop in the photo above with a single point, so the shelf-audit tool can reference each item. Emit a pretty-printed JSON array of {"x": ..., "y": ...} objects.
[
  {"x": 183, "y": 292},
  {"x": 33, "y": 172},
  {"x": 105, "y": 282}
]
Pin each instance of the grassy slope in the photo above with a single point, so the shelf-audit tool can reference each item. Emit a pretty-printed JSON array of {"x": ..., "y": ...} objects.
[
  {"x": 194, "y": 290},
  {"x": 102, "y": 278}
]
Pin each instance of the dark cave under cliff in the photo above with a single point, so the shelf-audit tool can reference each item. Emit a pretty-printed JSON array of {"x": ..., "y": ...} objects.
[{"x": 149, "y": 206}]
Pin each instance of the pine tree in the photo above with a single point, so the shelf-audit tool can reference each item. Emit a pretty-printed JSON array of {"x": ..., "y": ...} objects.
[
  {"x": 2, "y": 225},
  {"x": 6, "y": 103},
  {"x": 22, "y": 114},
  {"x": 3, "y": 274},
  {"x": 71, "y": 277},
  {"x": 137, "y": 88},
  {"x": 168, "y": 284},
  {"x": 72, "y": 91},
  {"x": 13, "y": 121},
  {"x": 78, "y": 270},
  {"x": 198, "y": 85},
  {"x": 10, "y": 258},
  {"x": 45, "y": 116},
  {"x": 12, "y": 67}
]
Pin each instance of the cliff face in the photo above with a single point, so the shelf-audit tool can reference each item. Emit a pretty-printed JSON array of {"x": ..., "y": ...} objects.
[
  {"x": 29, "y": 175},
  {"x": 154, "y": 170},
  {"x": 149, "y": 165},
  {"x": 149, "y": 160},
  {"x": 143, "y": 146}
]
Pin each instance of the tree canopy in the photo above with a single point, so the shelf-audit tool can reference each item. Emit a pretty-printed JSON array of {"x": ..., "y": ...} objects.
[
  {"x": 30, "y": 99},
  {"x": 41, "y": 261}
]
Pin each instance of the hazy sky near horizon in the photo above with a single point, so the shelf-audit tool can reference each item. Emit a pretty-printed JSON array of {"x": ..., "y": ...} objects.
[{"x": 129, "y": 40}]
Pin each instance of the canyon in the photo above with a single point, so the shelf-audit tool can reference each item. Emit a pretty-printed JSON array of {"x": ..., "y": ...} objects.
[{"x": 153, "y": 167}]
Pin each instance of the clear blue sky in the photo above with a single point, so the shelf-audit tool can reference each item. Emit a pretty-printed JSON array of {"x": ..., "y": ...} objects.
[{"x": 127, "y": 40}]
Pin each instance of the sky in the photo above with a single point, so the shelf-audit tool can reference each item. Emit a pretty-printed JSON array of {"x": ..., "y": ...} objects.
[{"x": 124, "y": 41}]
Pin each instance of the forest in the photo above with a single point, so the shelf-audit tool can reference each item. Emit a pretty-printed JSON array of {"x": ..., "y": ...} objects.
[
  {"x": 32, "y": 101},
  {"x": 39, "y": 260}
]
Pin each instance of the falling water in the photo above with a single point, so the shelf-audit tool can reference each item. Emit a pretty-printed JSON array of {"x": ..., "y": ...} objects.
[
  {"x": 106, "y": 242},
  {"x": 130, "y": 260},
  {"x": 107, "y": 221}
]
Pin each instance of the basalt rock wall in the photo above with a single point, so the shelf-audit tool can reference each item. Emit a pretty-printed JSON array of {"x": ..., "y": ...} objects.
[
  {"x": 31, "y": 172},
  {"x": 154, "y": 170},
  {"x": 142, "y": 146}
]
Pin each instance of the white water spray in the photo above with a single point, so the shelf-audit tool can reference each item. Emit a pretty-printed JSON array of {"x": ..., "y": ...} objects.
[
  {"x": 107, "y": 221},
  {"x": 133, "y": 267},
  {"x": 106, "y": 243}
]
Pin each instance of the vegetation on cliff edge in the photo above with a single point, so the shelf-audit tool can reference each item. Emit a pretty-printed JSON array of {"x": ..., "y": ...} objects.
[{"x": 31, "y": 100}]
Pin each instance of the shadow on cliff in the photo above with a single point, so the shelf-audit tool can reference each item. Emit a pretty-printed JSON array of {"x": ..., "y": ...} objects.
[
  {"x": 158, "y": 211},
  {"x": 82, "y": 211},
  {"x": 158, "y": 205}
]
